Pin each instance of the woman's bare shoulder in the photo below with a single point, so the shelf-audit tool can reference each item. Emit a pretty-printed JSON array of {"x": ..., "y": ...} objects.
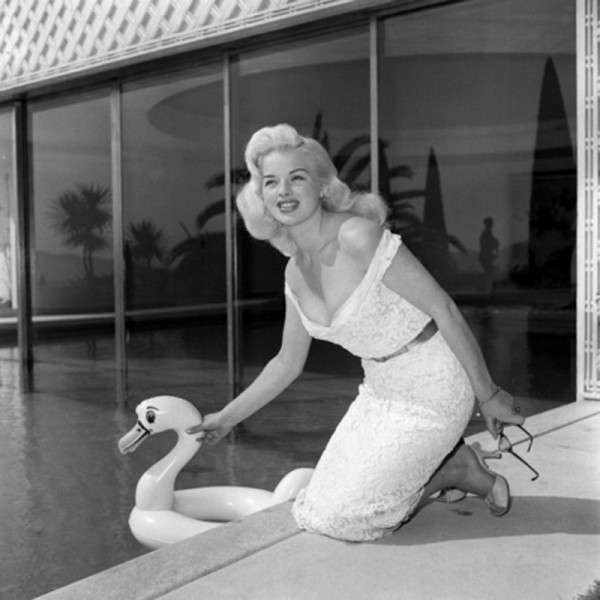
[{"x": 359, "y": 238}]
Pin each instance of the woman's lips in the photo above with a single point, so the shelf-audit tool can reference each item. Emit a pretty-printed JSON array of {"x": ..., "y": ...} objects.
[{"x": 287, "y": 205}]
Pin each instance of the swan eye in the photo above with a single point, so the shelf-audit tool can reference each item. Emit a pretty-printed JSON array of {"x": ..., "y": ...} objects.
[{"x": 150, "y": 416}]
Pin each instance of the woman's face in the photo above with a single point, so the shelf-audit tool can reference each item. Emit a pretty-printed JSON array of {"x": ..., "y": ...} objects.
[{"x": 290, "y": 189}]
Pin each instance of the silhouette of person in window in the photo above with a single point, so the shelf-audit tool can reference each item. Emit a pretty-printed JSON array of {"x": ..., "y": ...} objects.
[{"x": 488, "y": 252}]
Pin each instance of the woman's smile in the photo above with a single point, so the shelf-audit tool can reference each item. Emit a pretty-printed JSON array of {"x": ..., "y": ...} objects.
[
  {"x": 289, "y": 186},
  {"x": 286, "y": 206}
]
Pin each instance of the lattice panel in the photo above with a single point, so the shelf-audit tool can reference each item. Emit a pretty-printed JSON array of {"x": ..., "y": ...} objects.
[
  {"x": 40, "y": 39},
  {"x": 588, "y": 286}
]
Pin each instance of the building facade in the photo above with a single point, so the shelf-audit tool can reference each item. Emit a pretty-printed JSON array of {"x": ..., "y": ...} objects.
[{"x": 122, "y": 130}]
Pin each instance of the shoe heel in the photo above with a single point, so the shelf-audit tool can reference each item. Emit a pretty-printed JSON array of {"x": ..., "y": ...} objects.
[
  {"x": 498, "y": 500},
  {"x": 500, "y": 488}
]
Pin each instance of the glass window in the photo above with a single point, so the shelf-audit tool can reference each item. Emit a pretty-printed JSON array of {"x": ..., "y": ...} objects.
[
  {"x": 8, "y": 220},
  {"x": 478, "y": 117},
  {"x": 72, "y": 265},
  {"x": 321, "y": 87},
  {"x": 174, "y": 231}
]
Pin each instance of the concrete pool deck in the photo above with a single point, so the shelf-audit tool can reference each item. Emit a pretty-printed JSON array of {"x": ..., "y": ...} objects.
[{"x": 547, "y": 546}]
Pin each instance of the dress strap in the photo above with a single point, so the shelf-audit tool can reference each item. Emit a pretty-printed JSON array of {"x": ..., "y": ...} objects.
[{"x": 388, "y": 248}]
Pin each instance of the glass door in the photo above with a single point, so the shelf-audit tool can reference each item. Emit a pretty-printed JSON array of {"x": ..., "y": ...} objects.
[
  {"x": 71, "y": 244},
  {"x": 174, "y": 236},
  {"x": 478, "y": 115}
]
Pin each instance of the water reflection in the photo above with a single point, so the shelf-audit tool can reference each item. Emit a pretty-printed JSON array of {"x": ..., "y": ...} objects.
[
  {"x": 64, "y": 491},
  {"x": 67, "y": 492},
  {"x": 529, "y": 353}
]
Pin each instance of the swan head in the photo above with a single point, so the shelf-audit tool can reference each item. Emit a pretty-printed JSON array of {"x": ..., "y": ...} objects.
[{"x": 160, "y": 413}]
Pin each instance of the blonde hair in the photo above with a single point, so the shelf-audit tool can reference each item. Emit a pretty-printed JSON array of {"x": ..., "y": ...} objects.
[{"x": 337, "y": 198}]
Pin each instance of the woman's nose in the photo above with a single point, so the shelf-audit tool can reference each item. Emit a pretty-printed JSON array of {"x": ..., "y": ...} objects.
[{"x": 284, "y": 188}]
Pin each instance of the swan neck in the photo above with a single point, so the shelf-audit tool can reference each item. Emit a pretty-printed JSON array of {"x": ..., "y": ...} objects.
[{"x": 155, "y": 489}]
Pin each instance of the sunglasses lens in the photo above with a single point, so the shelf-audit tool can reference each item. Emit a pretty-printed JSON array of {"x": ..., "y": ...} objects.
[{"x": 504, "y": 444}]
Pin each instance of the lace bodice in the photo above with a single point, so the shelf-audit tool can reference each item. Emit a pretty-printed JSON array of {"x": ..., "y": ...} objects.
[{"x": 374, "y": 321}]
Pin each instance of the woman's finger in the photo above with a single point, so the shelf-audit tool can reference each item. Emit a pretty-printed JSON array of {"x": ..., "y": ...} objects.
[{"x": 195, "y": 429}]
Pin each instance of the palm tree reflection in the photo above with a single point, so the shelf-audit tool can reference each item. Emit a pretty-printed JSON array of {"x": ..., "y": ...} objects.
[{"x": 82, "y": 216}]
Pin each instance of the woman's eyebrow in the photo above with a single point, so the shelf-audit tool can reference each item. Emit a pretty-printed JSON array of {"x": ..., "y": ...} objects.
[{"x": 266, "y": 175}]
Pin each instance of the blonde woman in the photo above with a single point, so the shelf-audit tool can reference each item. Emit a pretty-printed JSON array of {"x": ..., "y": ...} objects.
[{"x": 350, "y": 281}]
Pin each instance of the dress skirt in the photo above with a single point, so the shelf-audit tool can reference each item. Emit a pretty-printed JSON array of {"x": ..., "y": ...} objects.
[{"x": 409, "y": 414}]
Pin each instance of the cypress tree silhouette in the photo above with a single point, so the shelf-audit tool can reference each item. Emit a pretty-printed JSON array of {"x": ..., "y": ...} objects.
[
  {"x": 435, "y": 249},
  {"x": 553, "y": 190},
  {"x": 434, "y": 222}
]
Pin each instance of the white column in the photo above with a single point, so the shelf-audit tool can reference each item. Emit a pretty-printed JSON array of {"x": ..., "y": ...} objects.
[{"x": 588, "y": 205}]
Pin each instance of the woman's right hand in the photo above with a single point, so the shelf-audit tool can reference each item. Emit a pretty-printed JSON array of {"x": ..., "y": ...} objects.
[
  {"x": 213, "y": 428},
  {"x": 499, "y": 411}
]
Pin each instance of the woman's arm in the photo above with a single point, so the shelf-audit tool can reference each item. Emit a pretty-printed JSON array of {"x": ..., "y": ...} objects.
[
  {"x": 408, "y": 278},
  {"x": 275, "y": 377}
]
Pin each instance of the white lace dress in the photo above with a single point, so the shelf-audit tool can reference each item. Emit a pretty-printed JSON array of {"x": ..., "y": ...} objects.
[{"x": 410, "y": 412}]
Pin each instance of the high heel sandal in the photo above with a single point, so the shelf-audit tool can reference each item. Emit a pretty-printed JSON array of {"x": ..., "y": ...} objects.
[{"x": 498, "y": 499}]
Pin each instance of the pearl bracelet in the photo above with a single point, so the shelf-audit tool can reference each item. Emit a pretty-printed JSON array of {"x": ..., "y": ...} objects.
[{"x": 494, "y": 394}]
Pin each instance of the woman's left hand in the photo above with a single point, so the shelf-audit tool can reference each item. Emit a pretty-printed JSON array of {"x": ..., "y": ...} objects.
[
  {"x": 213, "y": 429},
  {"x": 501, "y": 410}
]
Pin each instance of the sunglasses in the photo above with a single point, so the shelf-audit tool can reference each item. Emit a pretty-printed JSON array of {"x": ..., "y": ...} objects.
[{"x": 505, "y": 445}]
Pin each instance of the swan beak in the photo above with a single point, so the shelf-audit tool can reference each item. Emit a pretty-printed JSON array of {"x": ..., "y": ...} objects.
[{"x": 130, "y": 441}]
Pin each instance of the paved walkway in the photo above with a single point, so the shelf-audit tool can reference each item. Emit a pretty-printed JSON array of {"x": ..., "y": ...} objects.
[{"x": 546, "y": 548}]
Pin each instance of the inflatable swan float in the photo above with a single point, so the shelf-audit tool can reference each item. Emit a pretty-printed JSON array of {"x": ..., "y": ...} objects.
[{"x": 162, "y": 515}]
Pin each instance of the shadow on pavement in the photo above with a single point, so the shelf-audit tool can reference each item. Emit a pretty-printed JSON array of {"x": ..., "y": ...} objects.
[{"x": 470, "y": 519}]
